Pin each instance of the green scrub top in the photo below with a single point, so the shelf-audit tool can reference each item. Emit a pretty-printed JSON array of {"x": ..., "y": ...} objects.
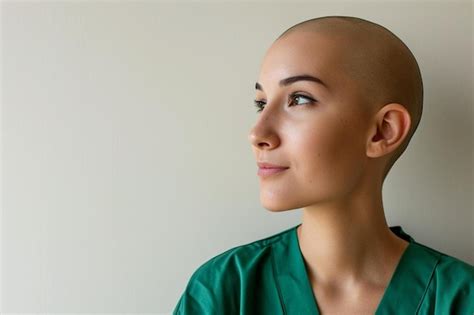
[{"x": 269, "y": 276}]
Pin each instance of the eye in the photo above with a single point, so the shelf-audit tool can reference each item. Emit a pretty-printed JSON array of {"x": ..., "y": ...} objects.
[
  {"x": 294, "y": 96},
  {"x": 259, "y": 105}
]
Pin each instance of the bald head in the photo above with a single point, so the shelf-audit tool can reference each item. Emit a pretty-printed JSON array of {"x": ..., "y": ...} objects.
[{"x": 382, "y": 65}]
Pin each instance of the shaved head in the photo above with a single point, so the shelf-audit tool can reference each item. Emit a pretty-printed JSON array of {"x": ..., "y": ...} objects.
[{"x": 384, "y": 68}]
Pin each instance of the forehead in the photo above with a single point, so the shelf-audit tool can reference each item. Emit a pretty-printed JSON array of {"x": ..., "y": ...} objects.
[{"x": 305, "y": 52}]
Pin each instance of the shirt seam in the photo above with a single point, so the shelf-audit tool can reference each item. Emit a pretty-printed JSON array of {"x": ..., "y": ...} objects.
[
  {"x": 178, "y": 309},
  {"x": 260, "y": 244},
  {"x": 280, "y": 296},
  {"x": 267, "y": 241},
  {"x": 427, "y": 285}
]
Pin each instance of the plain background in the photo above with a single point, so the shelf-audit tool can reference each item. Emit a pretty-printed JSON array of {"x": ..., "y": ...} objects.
[{"x": 125, "y": 158}]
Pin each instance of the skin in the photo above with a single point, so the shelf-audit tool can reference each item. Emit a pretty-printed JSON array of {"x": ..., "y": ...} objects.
[{"x": 338, "y": 150}]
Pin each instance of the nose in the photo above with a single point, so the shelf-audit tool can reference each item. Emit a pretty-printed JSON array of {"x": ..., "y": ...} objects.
[{"x": 263, "y": 136}]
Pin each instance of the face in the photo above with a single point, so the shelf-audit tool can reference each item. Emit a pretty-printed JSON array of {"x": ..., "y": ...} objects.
[{"x": 319, "y": 131}]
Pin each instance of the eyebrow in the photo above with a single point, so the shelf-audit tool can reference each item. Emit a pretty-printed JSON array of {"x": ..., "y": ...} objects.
[{"x": 293, "y": 79}]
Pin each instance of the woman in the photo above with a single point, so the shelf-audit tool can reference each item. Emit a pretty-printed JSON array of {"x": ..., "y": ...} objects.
[{"x": 339, "y": 99}]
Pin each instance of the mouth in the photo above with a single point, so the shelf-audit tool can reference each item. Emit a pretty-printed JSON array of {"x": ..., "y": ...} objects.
[{"x": 268, "y": 171}]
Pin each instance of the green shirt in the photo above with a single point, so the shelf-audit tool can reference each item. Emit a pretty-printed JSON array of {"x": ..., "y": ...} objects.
[{"x": 268, "y": 276}]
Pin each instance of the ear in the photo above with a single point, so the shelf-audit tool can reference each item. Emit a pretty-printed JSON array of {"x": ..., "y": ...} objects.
[{"x": 390, "y": 128}]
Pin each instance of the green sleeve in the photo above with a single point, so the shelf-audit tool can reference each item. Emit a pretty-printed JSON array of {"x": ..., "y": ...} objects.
[
  {"x": 199, "y": 298},
  {"x": 451, "y": 289},
  {"x": 212, "y": 289}
]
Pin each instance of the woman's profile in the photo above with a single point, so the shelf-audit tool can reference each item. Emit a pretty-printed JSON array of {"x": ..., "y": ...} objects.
[{"x": 339, "y": 99}]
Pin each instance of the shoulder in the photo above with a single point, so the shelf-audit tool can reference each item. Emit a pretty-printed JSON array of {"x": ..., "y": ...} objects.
[
  {"x": 243, "y": 256},
  {"x": 451, "y": 287},
  {"x": 456, "y": 269},
  {"x": 451, "y": 269},
  {"x": 456, "y": 277},
  {"x": 217, "y": 284}
]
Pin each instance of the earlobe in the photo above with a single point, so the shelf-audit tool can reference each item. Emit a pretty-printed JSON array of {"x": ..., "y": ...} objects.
[{"x": 391, "y": 126}]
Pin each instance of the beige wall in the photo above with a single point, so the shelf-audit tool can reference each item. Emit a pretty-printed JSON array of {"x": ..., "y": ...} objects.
[{"x": 125, "y": 159}]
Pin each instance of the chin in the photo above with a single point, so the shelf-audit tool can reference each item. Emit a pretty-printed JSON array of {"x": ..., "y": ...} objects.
[
  {"x": 276, "y": 209},
  {"x": 277, "y": 206}
]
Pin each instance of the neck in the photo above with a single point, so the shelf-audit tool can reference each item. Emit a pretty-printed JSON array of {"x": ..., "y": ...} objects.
[{"x": 349, "y": 242}]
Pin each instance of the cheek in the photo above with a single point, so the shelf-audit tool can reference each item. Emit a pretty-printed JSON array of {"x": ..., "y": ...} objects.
[
  {"x": 326, "y": 153},
  {"x": 324, "y": 162}
]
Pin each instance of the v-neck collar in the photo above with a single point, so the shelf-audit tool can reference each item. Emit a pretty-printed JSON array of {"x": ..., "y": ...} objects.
[{"x": 402, "y": 295}]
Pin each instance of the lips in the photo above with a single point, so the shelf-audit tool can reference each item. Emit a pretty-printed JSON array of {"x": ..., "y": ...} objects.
[
  {"x": 270, "y": 165},
  {"x": 266, "y": 169}
]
